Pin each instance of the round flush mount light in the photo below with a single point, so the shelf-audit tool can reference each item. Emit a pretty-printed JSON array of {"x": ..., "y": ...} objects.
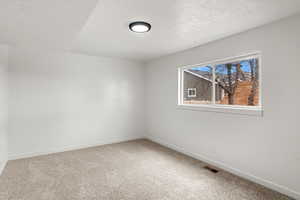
[{"x": 139, "y": 27}]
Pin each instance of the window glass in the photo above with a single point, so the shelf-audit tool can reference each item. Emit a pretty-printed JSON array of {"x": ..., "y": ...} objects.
[
  {"x": 237, "y": 83},
  {"x": 234, "y": 82},
  {"x": 197, "y": 85}
]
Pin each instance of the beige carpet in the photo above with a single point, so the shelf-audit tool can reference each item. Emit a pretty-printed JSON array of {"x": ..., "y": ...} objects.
[{"x": 136, "y": 170}]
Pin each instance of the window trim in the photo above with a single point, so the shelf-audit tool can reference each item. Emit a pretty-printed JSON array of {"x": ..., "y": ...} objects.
[
  {"x": 234, "y": 109},
  {"x": 192, "y": 89}
]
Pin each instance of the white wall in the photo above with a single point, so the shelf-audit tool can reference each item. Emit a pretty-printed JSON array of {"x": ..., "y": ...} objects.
[
  {"x": 3, "y": 105},
  {"x": 60, "y": 101},
  {"x": 266, "y": 148}
]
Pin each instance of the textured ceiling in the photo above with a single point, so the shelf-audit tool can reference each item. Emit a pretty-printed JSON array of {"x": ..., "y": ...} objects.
[
  {"x": 176, "y": 24},
  {"x": 47, "y": 23},
  {"x": 101, "y": 27}
]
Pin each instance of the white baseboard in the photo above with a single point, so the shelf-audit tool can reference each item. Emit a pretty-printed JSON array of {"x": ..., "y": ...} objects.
[
  {"x": 266, "y": 183},
  {"x": 2, "y": 166},
  {"x": 70, "y": 148}
]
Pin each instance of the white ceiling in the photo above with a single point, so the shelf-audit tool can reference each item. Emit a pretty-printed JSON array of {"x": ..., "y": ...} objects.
[
  {"x": 101, "y": 27},
  {"x": 47, "y": 23},
  {"x": 176, "y": 24}
]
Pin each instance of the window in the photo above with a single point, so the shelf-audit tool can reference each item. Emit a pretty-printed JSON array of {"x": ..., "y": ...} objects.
[
  {"x": 192, "y": 92},
  {"x": 228, "y": 83},
  {"x": 199, "y": 79}
]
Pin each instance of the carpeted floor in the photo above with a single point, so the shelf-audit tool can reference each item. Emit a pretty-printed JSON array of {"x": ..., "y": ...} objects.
[{"x": 135, "y": 170}]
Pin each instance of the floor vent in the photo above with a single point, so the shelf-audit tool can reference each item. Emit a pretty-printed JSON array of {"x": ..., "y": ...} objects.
[{"x": 211, "y": 169}]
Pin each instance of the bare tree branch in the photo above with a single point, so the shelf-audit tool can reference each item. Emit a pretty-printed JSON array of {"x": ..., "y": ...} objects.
[
  {"x": 223, "y": 86},
  {"x": 231, "y": 93},
  {"x": 254, "y": 79}
]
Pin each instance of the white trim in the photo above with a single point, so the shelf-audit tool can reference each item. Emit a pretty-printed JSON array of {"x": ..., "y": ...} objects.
[
  {"x": 69, "y": 148},
  {"x": 2, "y": 166},
  {"x": 234, "y": 109},
  {"x": 180, "y": 86},
  {"x": 246, "y": 56},
  {"x": 260, "y": 88},
  {"x": 240, "y": 110},
  {"x": 198, "y": 75},
  {"x": 269, "y": 184},
  {"x": 179, "y": 82}
]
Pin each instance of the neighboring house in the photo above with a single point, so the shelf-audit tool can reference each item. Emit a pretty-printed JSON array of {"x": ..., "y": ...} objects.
[
  {"x": 242, "y": 93},
  {"x": 198, "y": 87}
]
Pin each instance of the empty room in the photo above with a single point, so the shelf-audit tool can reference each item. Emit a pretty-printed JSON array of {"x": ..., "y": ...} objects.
[{"x": 149, "y": 99}]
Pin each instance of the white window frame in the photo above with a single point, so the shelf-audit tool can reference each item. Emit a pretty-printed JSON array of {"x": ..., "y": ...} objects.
[
  {"x": 213, "y": 107},
  {"x": 192, "y": 89}
]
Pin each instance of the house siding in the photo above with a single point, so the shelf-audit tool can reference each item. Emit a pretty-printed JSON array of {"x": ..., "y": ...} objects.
[{"x": 203, "y": 88}]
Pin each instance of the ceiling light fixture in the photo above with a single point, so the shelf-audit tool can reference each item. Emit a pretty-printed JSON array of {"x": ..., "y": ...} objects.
[{"x": 139, "y": 27}]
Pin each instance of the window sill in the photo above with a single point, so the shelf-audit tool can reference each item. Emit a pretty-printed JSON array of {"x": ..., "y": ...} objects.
[{"x": 239, "y": 110}]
